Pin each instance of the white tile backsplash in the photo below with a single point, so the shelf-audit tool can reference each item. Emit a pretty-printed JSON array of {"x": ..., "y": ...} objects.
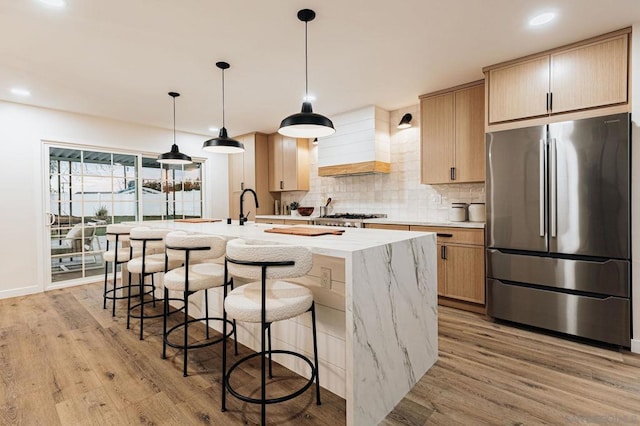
[{"x": 398, "y": 194}]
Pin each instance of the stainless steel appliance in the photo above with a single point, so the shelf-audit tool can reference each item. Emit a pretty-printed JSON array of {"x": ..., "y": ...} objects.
[
  {"x": 348, "y": 220},
  {"x": 558, "y": 227}
]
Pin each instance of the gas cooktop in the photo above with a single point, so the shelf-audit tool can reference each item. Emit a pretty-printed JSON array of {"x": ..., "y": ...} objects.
[{"x": 353, "y": 216}]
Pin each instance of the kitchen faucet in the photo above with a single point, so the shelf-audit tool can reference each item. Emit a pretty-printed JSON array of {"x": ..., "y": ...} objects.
[{"x": 255, "y": 197}]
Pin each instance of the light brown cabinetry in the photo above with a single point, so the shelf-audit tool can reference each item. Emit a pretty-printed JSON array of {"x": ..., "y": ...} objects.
[
  {"x": 461, "y": 274},
  {"x": 390, "y": 226},
  {"x": 452, "y": 135},
  {"x": 288, "y": 163},
  {"x": 250, "y": 170},
  {"x": 286, "y": 221},
  {"x": 586, "y": 75}
]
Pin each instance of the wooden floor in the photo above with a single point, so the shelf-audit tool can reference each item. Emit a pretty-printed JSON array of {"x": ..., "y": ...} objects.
[{"x": 65, "y": 361}]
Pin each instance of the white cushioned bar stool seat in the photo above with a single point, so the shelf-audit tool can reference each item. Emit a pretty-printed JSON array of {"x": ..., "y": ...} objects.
[
  {"x": 198, "y": 253},
  {"x": 265, "y": 301},
  {"x": 149, "y": 243},
  {"x": 118, "y": 252},
  {"x": 284, "y": 300}
]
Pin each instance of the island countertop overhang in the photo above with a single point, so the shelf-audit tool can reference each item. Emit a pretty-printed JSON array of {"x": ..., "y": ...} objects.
[{"x": 352, "y": 240}]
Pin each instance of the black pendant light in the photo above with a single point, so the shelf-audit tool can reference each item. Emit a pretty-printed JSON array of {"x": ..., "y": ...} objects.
[
  {"x": 174, "y": 156},
  {"x": 223, "y": 144},
  {"x": 306, "y": 124}
]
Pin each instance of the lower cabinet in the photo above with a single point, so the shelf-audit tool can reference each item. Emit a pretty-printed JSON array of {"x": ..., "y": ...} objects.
[
  {"x": 461, "y": 278},
  {"x": 285, "y": 221}
]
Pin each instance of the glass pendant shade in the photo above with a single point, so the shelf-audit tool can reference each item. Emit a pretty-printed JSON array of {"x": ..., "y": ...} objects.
[
  {"x": 223, "y": 144},
  {"x": 306, "y": 123},
  {"x": 174, "y": 156}
]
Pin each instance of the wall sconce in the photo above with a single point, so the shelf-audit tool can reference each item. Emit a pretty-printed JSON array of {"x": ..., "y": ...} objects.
[{"x": 405, "y": 123}]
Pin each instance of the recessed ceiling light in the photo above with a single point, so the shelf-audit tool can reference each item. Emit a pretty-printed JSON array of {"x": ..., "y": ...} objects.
[
  {"x": 20, "y": 92},
  {"x": 543, "y": 18},
  {"x": 214, "y": 129},
  {"x": 54, "y": 3}
]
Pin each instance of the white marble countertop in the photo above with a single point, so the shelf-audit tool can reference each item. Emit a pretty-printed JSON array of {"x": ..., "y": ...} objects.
[
  {"x": 284, "y": 216},
  {"x": 387, "y": 220},
  {"x": 353, "y": 239},
  {"x": 420, "y": 222}
]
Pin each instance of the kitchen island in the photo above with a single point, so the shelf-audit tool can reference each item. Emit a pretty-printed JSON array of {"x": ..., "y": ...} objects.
[{"x": 390, "y": 309}]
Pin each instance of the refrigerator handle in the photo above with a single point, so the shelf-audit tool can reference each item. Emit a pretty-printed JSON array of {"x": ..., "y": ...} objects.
[
  {"x": 543, "y": 178},
  {"x": 553, "y": 188}
]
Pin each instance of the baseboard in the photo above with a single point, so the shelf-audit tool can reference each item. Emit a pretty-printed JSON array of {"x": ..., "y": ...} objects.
[
  {"x": 16, "y": 292},
  {"x": 635, "y": 346},
  {"x": 73, "y": 283}
]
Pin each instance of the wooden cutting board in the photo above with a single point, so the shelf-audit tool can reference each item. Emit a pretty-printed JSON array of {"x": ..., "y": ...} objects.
[
  {"x": 197, "y": 220},
  {"x": 307, "y": 232}
]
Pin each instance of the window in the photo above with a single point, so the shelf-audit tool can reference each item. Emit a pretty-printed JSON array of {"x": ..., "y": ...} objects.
[{"x": 90, "y": 189}]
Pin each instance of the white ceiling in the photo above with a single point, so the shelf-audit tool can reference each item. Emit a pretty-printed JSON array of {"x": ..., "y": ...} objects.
[{"x": 119, "y": 58}]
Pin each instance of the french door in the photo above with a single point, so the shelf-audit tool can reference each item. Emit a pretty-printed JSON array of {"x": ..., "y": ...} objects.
[{"x": 87, "y": 189}]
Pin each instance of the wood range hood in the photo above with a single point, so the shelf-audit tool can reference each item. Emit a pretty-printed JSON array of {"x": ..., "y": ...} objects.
[{"x": 361, "y": 144}]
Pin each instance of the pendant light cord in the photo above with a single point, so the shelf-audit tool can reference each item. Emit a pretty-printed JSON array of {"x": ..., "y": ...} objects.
[
  {"x": 306, "y": 65},
  {"x": 223, "y": 98},
  {"x": 174, "y": 120}
]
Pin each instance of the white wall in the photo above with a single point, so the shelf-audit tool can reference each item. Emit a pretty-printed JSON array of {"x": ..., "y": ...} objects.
[
  {"x": 22, "y": 218},
  {"x": 635, "y": 185}
]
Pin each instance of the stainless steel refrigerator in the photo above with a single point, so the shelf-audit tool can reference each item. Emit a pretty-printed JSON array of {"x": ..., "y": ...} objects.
[{"x": 558, "y": 227}]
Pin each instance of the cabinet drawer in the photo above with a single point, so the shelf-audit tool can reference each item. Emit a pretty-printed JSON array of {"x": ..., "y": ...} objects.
[
  {"x": 271, "y": 221},
  {"x": 390, "y": 226},
  {"x": 454, "y": 235}
]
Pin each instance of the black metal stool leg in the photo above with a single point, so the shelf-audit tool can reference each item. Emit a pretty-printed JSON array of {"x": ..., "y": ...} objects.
[
  {"x": 104, "y": 293},
  {"x": 153, "y": 290},
  {"x": 141, "y": 302},
  {"x": 206, "y": 312},
  {"x": 186, "y": 333},
  {"x": 315, "y": 351},
  {"x": 128, "y": 306},
  {"x": 235, "y": 327},
  {"x": 115, "y": 284},
  {"x": 263, "y": 374},
  {"x": 270, "y": 363},
  {"x": 164, "y": 323}
]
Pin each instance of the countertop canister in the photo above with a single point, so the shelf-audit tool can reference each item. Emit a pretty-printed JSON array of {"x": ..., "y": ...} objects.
[
  {"x": 477, "y": 212},
  {"x": 458, "y": 212}
]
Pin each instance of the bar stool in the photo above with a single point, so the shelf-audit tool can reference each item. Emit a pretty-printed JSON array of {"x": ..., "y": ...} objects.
[
  {"x": 266, "y": 301},
  {"x": 150, "y": 243},
  {"x": 197, "y": 253},
  {"x": 118, "y": 236}
]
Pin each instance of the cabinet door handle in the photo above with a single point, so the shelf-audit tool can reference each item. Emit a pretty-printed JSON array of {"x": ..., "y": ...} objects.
[
  {"x": 547, "y": 101},
  {"x": 443, "y": 252},
  {"x": 453, "y": 173},
  {"x": 444, "y": 235},
  {"x": 281, "y": 185},
  {"x": 550, "y": 101},
  {"x": 242, "y": 186}
]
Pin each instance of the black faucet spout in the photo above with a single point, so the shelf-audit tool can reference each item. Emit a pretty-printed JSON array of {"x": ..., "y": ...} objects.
[{"x": 243, "y": 219}]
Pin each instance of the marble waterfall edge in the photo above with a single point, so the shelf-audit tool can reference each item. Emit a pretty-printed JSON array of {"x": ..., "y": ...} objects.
[{"x": 393, "y": 313}]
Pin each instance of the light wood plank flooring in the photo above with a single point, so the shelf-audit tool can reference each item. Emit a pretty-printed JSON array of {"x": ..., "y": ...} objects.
[{"x": 65, "y": 361}]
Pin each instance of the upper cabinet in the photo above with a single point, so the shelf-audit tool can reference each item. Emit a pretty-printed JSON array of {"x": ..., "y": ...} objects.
[
  {"x": 250, "y": 170},
  {"x": 288, "y": 163},
  {"x": 452, "y": 135},
  {"x": 583, "y": 76}
]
